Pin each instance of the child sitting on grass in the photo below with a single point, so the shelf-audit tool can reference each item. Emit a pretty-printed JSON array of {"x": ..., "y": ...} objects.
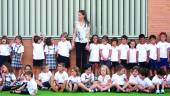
[
  {"x": 44, "y": 78},
  {"x": 30, "y": 87},
  {"x": 144, "y": 83},
  {"x": 58, "y": 81},
  {"x": 159, "y": 82}
]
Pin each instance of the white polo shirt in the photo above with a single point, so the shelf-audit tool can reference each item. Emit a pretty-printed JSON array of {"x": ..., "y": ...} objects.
[
  {"x": 123, "y": 48},
  {"x": 61, "y": 77},
  {"x": 142, "y": 52}
]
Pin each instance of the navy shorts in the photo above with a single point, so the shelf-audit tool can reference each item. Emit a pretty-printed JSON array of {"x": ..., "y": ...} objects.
[
  {"x": 143, "y": 65},
  {"x": 46, "y": 84},
  {"x": 115, "y": 64},
  {"x": 108, "y": 63},
  {"x": 131, "y": 65},
  {"x": 38, "y": 63},
  {"x": 153, "y": 64},
  {"x": 163, "y": 62},
  {"x": 124, "y": 63},
  {"x": 65, "y": 60}
]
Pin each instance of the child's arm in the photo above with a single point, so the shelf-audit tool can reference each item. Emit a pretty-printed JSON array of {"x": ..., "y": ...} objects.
[
  {"x": 119, "y": 52},
  {"x": 21, "y": 57},
  {"x": 128, "y": 53},
  {"x": 88, "y": 46},
  {"x": 101, "y": 54},
  {"x": 158, "y": 54},
  {"x": 148, "y": 54},
  {"x": 168, "y": 55},
  {"x": 110, "y": 54},
  {"x": 42, "y": 37},
  {"x": 74, "y": 36}
]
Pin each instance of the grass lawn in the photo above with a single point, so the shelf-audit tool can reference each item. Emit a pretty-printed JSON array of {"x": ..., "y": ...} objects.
[{"x": 49, "y": 93}]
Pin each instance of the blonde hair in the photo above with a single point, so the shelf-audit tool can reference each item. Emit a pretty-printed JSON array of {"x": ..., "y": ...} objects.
[
  {"x": 105, "y": 68},
  {"x": 76, "y": 69}
]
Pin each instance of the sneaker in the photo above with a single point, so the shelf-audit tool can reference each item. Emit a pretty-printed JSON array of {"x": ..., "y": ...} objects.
[
  {"x": 108, "y": 90},
  {"x": 157, "y": 91},
  {"x": 162, "y": 91},
  {"x": 44, "y": 88}
]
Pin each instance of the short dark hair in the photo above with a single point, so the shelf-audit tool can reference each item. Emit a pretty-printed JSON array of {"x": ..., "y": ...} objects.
[
  {"x": 61, "y": 63},
  {"x": 120, "y": 67},
  {"x": 124, "y": 37},
  {"x": 36, "y": 38},
  {"x": 163, "y": 33},
  {"x": 105, "y": 37},
  {"x": 144, "y": 72},
  {"x": 48, "y": 41},
  {"x": 29, "y": 73},
  {"x": 6, "y": 38},
  {"x": 152, "y": 37},
  {"x": 132, "y": 40},
  {"x": 141, "y": 36},
  {"x": 114, "y": 39},
  {"x": 28, "y": 66},
  {"x": 161, "y": 72}
]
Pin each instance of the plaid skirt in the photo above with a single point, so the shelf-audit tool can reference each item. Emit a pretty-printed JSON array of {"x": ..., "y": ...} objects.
[
  {"x": 16, "y": 63},
  {"x": 51, "y": 61}
]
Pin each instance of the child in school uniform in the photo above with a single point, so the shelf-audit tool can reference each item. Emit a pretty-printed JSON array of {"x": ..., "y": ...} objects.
[
  {"x": 8, "y": 77},
  {"x": 50, "y": 54},
  {"x": 115, "y": 58},
  {"x": 31, "y": 86},
  {"x": 17, "y": 54},
  {"x": 94, "y": 57},
  {"x": 163, "y": 53},
  {"x": 142, "y": 52},
  {"x": 21, "y": 80},
  {"x": 123, "y": 48},
  {"x": 152, "y": 55},
  {"x": 64, "y": 48},
  {"x": 120, "y": 81},
  {"x": 105, "y": 51},
  {"x": 58, "y": 81},
  {"x": 87, "y": 79},
  {"x": 44, "y": 77},
  {"x": 73, "y": 80},
  {"x": 132, "y": 55},
  {"x": 167, "y": 79},
  {"x": 133, "y": 79},
  {"x": 5, "y": 51},
  {"x": 144, "y": 83},
  {"x": 38, "y": 53},
  {"x": 159, "y": 82},
  {"x": 104, "y": 79}
]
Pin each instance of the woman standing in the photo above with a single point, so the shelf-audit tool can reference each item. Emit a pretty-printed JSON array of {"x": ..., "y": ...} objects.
[{"x": 81, "y": 38}]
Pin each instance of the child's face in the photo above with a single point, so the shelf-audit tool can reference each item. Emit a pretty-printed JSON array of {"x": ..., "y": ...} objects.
[
  {"x": 135, "y": 73},
  {"x": 114, "y": 43},
  {"x": 153, "y": 41},
  {"x": 88, "y": 71},
  {"x": 4, "y": 41},
  {"x": 27, "y": 69},
  {"x": 160, "y": 77},
  {"x": 163, "y": 37},
  {"x": 63, "y": 38},
  {"x": 52, "y": 40},
  {"x": 103, "y": 71},
  {"x": 124, "y": 41},
  {"x": 95, "y": 38},
  {"x": 141, "y": 77},
  {"x": 122, "y": 71},
  {"x": 46, "y": 69},
  {"x": 132, "y": 44},
  {"x": 60, "y": 68},
  {"x": 73, "y": 73},
  {"x": 28, "y": 77},
  {"x": 142, "y": 40},
  {"x": 104, "y": 41},
  {"x": 18, "y": 41}
]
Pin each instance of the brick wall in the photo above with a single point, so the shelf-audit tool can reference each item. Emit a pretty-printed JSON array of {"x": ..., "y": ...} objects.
[{"x": 158, "y": 20}]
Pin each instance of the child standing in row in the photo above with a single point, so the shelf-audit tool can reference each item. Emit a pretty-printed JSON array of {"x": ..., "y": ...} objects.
[
  {"x": 17, "y": 54},
  {"x": 115, "y": 58},
  {"x": 132, "y": 55},
  {"x": 5, "y": 51},
  {"x": 38, "y": 53},
  {"x": 94, "y": 58},
  {"x": 152, "y": 55},
  {"x": 123, "y": 48},
  {"x": 64, "y": 48},
  {"x": 163, "y": 53},
  {"x": 142, "y": 52},
  {"x": 50, "y": 54},
  {"x": 105, "y": 52}
]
